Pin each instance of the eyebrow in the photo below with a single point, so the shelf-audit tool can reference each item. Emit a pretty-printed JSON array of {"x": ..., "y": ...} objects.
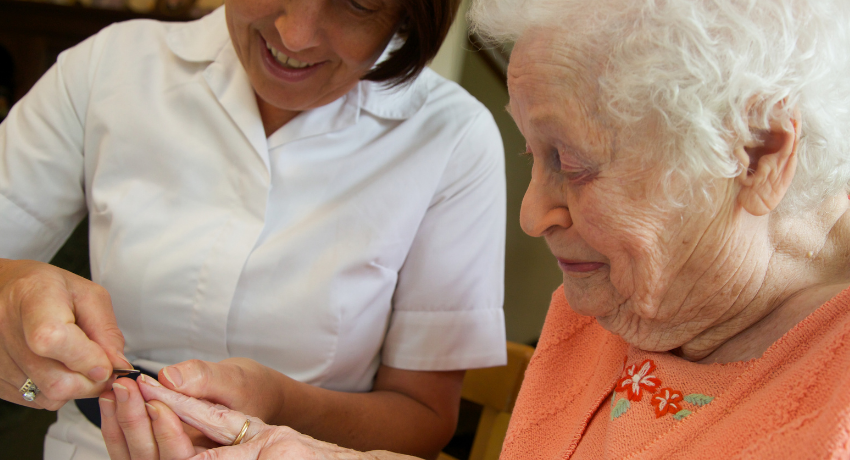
[{"x": 548, "y": 126}]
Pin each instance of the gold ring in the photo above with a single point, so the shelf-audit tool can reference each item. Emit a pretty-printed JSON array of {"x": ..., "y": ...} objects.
[
  {"x": 242, "y": 433},
  {"x": 29, "y": 390}
]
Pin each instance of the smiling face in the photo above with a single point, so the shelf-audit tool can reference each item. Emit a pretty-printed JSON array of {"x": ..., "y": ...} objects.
[
  {"x": 657, "y": 275},
  {"x": 302, "y": 54}
]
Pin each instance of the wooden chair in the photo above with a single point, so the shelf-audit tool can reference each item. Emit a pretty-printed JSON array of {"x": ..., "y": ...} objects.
[{"x": 496, "y": 389}]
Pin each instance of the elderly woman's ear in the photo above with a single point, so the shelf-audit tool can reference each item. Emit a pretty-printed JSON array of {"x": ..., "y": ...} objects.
[{"x": 770, "y": 163}]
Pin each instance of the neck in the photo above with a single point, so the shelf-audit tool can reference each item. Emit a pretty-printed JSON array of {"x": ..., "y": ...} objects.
[
  {"x": 805, "y": 267},
  {"x": 274, "y": 118}
]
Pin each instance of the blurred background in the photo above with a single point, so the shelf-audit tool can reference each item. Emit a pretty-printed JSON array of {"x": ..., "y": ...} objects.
[{"x": 33, "y": 33}]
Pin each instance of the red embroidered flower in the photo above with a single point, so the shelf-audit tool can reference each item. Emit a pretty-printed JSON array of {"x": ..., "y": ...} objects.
[
  {"x": 666, "y": 401},
  {"x": 636, "y": 380}
]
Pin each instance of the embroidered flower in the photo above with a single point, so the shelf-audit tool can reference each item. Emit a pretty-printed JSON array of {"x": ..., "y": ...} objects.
[
  {"x": 637, "y": 380},
  {"x": 667, "y": 401}
]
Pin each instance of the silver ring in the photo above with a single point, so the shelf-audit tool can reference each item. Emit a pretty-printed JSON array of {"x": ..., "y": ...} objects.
[{"x": 29, "y": 390}]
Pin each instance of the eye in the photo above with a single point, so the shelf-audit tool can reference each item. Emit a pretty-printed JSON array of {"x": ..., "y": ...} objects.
[
  {"x": 359, "y": 7},
  {"x": 579, "y": 176},
  {"x": 551, "y": 159},
  {"x": 574, "y": 170},
  {"x": 561, "y": 163}
]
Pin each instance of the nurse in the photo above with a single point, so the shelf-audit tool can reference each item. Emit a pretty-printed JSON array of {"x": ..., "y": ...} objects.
[{"x": 288, "y": 215}]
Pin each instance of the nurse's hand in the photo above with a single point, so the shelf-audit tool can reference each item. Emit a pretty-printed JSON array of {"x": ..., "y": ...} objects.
[
  {"x": 239, "y": 383},
  {"x": 137, "y": 430},
  {"x": 58, "y": 330}
]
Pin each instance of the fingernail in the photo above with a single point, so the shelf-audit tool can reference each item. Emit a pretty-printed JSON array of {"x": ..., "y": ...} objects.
[
  {"x": 98, "y": 374},
  {"x": 149, "y": 380},
  {"x": 129, "y": 364},
  {"x": 173, "y": 375},
  {"x": 107, "y": 407},
  {"x": 121, "y": 392},
  {"x": 153, "y": 413}
]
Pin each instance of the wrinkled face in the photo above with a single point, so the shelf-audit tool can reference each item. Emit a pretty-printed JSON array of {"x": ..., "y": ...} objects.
[
  {"x": 653, "y": 274},
  {"x": 302, "y": 54}
]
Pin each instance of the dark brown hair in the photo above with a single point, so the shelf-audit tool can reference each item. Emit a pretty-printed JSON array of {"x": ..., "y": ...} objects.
[{"x": 424, "y": 25}]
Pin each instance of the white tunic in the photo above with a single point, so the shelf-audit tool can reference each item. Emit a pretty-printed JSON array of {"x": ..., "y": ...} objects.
[{"x": 367, "y": 231}]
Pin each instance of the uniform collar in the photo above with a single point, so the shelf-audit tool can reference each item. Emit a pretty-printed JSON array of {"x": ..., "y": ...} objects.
[
  {"x": 202, "y": 40},
  {"x": 396, "y": 103},
  {"x": 199, "y": 40}
]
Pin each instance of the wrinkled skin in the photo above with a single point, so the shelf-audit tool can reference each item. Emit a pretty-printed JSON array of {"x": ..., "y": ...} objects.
[
  {"x": 662, "y": 277},
  {"x": 143, "y": 422},
  {"x": 421, "y": 406}
]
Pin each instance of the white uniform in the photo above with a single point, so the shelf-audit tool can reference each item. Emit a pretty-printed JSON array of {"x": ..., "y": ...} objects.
[{"x": 367, "y": 231}]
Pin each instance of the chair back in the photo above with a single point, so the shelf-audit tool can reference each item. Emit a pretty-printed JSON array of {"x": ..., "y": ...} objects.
[{"x": 495, "y": 389}]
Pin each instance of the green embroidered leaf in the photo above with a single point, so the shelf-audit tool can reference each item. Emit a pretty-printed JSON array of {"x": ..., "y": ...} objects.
[
  {"x": 682, "y": 414},
  {"x": 620, "y": 408},
  {"x": 698, "y": 399}
]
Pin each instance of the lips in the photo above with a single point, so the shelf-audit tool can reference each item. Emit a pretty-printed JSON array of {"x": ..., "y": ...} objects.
[
  {"x": 578, "y": 266},
  {"x": 291, "y": 71}
]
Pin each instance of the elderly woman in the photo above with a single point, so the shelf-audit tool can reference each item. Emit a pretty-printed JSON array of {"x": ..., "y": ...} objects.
[
  {"x": 691, "y": 170},
  {"x": 279, "y": 193}
]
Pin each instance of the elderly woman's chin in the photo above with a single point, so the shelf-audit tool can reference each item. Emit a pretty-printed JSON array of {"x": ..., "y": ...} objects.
[
  {"x": 628, "y": 318},
  {"x": 595, "y": 296}
]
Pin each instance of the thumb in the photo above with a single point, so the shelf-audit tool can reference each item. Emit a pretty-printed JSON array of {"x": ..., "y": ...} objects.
[
  {"x": 95, "y": 317},
  {"x": 201, "y": 379},
  {"x": 239, "y": 383}
]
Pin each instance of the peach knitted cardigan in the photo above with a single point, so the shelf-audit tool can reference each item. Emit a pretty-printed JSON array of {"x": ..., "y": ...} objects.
[{"x": 793, "y": 402}]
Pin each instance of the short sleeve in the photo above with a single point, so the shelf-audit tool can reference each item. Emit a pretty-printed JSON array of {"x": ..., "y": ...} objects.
[
  {"x": 447, "y": 307},
  {"x": 42, "y": 194}
]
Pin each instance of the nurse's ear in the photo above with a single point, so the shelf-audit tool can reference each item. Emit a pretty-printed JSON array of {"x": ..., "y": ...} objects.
[{"x": 769, "y": 161}]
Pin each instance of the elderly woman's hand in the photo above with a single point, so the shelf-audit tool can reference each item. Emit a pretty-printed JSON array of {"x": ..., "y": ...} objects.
[
  {"x": 420, "y": 406},
  {"x": 59, "y": 331},
  {"x": 225, "y": 383},
  {"x": 139, "y": 430}
]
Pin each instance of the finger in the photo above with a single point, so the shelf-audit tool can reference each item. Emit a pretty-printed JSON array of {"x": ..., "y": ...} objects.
[
  {"x": 172, "y": 441},
  {"x": 223, "y": 382},
  {"x": 134, "y": 420},
  {"x": 11, "y": 381},
  {"x": 55, "y": 382},
  {"x": 96, "y": 318},
  {"x": 281, "y": 442},
  {"x": 199, "y": 439},
  {"x": 240, "y": 452},
  {"x": 51, "y": 322},
  {"x": 218, "y": 423},
  {"x": 113, "y": 436},
  {"x": 11, "y": 393},
  {"x": 58, "y": 385},
  {"x": 199, "y": 379}
]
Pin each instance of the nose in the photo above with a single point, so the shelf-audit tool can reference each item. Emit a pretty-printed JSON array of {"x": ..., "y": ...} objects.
[
  {"x": 542, "y": 208},
  {"x": 299, "y": 25}
]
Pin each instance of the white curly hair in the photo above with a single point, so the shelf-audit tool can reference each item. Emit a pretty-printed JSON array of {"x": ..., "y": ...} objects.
[{"x": 705, "y": 71}]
